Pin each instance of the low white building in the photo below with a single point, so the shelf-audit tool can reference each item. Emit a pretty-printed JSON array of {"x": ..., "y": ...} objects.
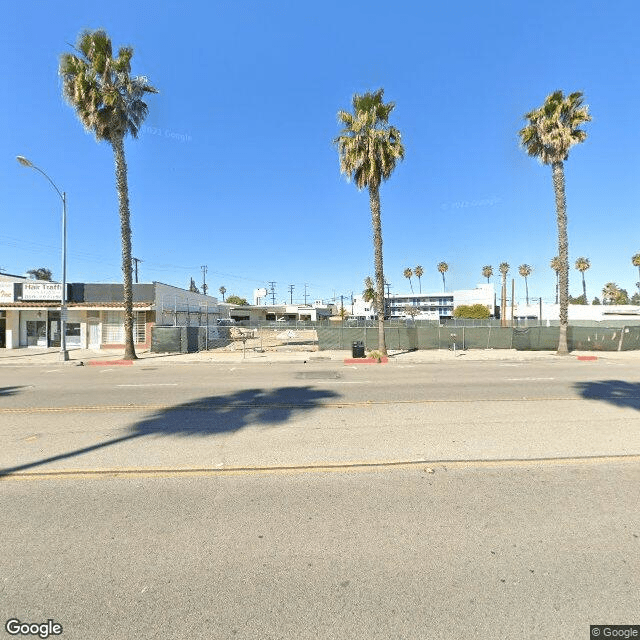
[
  {"x": 257, "y": 314},
  {"x": 30, "y": 313},
  {"x": 590, "y": 312}
]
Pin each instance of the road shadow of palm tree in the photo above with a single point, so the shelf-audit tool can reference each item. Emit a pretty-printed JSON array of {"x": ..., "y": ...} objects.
[
  {"x": 617, "y": 392},
  {"x": 9, "y": 391},
  {"x": 209, "y": 416}
]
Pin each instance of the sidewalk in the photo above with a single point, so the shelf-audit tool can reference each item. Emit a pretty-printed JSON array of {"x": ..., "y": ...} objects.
[{"x": 78, "y": 357}]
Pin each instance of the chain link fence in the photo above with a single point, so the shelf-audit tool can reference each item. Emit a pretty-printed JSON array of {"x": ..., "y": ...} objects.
[{"x": 399, "y": 337}]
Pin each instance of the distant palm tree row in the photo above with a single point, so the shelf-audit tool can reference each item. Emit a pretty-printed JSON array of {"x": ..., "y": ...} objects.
[
  {"x": 582, "y": 264},
  {"x": 418, "y": 272}
]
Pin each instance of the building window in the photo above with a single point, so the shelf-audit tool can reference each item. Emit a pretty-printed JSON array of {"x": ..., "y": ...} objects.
[
  {"x": 140, "y": 327},
  {"x": 113, "y": 328}
]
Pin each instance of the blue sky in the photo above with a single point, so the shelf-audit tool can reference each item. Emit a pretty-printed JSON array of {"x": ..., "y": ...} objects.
[{"x": 235, "y": 167}]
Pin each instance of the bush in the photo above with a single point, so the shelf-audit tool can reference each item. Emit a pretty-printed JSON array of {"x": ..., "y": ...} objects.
[{"x": 474, "y": 311}]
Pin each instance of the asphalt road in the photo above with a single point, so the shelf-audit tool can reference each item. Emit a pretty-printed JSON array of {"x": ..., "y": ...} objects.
[
  {"x": 478, "y": 499},
  {"x": 524, "y": 551},
  {"x": 222, "y": 416}
]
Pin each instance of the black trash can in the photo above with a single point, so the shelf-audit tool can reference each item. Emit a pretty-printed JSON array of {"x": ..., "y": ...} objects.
[{"x": 357, "y": 349}]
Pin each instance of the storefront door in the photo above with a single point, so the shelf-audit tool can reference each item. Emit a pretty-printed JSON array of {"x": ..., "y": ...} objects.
[
  {"x": 3, "y": 333},
  {"x": 94, "y": 335},
  {"x": 54, "y": 328}
]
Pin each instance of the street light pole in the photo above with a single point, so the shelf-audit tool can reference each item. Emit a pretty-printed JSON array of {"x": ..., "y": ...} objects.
[{"x": 64, "y": 354}]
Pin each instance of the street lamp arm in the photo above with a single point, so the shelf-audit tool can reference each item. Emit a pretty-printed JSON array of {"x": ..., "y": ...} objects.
[
  {"x": 64, "y": 355},
  {"x": 27, "y": 163}
]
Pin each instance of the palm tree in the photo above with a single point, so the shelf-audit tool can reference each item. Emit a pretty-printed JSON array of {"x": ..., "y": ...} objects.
[
  {"x": 556, "y": 265},
  {"x": 487, "y": 271},
  {"x": 407, "y": 274},
  {"x": 369, "y": 148},
  {"x": 443, "y": 267},
  {"x": 525, "y": 271},
  {"x": 222, "y": 290},
  {"x": 610, "y": 292},
  {"x": 419, "y": 272},
  {"x": 635, "y": 261},
  {"x": 109, "y": 103},
  {"x": 504, "y": 270},
  {"x": 369, "y": 293},
  {"x": 582, "y": 264},
  {"x": 551, "y": 131}
]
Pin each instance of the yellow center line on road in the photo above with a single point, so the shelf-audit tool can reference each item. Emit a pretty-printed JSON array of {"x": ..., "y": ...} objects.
[
  {"x": 434, "y": 467},
  {"x": 282, "y": 405}
]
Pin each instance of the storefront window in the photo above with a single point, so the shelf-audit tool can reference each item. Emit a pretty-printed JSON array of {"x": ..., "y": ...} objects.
[
  {"x": 36, "y": 333},
  {"x": 73, "y": 334}
]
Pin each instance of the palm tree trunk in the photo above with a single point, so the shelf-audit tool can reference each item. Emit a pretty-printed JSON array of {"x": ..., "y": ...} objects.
[
  {"x": 557, "y": 285},
  {"x": 125, "y": 231},
  {"x": 503, "y": 302},
  {"x": 584, "y": 289},
  {"x": 376, "y": 221},
  {"x": 563, "y": 254},
  {"x": 444, "y": 286},
  {"x": 526, "y": 287},
  {"x": 420, "y": 283}
]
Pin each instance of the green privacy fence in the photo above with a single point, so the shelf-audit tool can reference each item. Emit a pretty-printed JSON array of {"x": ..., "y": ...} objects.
[{"x": 411, "y": 338}]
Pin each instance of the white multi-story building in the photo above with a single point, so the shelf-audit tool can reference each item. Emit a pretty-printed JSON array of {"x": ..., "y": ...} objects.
[{"x": 431, "y": 306}]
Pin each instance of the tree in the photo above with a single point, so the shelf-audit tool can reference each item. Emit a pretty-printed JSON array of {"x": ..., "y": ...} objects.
[
  {"x": 635, "y": 298},
  {"x": 222, "y": 290},
  {"x": 551, "y": 131},
  {"x": 556, "y": 265},
  {"x": 369, "y": 148},
  {"x": 475, "y": 311},
  {"x": 369, "y": 293},
  {"x": 487, "y": 271},
  {"x": 419, "y": 271},
  {"x": 579, "y": 300},
  {"x": 635, "y": 261},
  {"x": 622, "y": 297},
  {"x": 582, "y": 264},
  {"x": 525, "y": 271},
  {"x": 443, "y": 267},
  {"x": 596, "y": 301},
  {"x": 407, "y": 274},
  {"x": 610, "y": 292},
  {"x": 192, "y": 286},
  {"x": 237, "y": 300},
  {"x": 504, "y": 270},
  {"x": 411, "y": 310},
  {"x": 41, "y": 273},
  {"x": 108, "y": 101}
]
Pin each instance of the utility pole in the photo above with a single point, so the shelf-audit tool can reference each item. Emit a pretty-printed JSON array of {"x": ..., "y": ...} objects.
[
  {"x": 135, "y": 267},
  {"x": 204, "y": 279},
  {"x": 306, "y": 285},
  {"x": 272, "y": 286},
  {"x": 384, "y": 306},
  {"x": 540, "y": 314},
  {"x": 291, "y": 288}
]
